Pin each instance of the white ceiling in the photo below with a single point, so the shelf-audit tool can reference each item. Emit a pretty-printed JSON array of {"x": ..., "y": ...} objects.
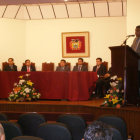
[{"x": 86, "y": 9}]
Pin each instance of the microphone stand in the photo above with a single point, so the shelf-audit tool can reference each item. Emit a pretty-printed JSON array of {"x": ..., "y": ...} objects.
[
  {"x": 125, "y": 41},
  {"x": 125, "y": 68}
]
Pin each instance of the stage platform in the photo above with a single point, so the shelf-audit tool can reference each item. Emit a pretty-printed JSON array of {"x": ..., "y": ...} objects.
[{"x": 89, "y": 110}]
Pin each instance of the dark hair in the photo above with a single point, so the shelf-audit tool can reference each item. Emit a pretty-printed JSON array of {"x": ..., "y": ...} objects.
[
  {"x": 81, "y": 59},
  {"x": 138, "y": 26},
  {"x": 98, "y": 131},
  {"x": 11, "y": 58},
  {"x": 27, "y": 60},
  {"x": 99, "y": 59},
  {"x": 63, "y": 60}
]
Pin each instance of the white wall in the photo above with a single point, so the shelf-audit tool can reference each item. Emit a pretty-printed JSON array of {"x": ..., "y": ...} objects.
[
  {"x": 12, "y": 40},
  {"x": 40, "y": 40},
  {"x": 133, "y": 17},
  {"x": 43, "y": 38}
]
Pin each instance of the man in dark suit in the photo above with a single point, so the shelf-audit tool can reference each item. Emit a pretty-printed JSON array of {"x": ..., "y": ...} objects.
[
  {"x": 101, "y": 71},
  {"x": 104, "y": 82},
  {"x": 136, "y": 43},
  {"x": 99, "y": 68},
  {"x": 80, "y": 66},
  {"x": 136, "y": 47},
  {"x": 10, "y": 66},
  {"x": 63, "y": 66},
  {"x": 28, "y": 67}
]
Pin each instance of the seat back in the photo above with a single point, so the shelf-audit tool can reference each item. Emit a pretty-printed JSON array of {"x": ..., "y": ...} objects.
[
  {"x": 26, "y": 138},
  {"x": 3, "y": 117},
  {"x": 3, "y": 65},
  {"x": 47, "y": 66},
  {"x": 30, "y": 122},
  {"x": 116, "y": 134},
  {"x": 54, "y": 131},
  {"x": 105, "y": 64},
  {"x": 11, "y": 129},
  {"x": 75, "y": 123},
  {"x": 117, "y": 123}
]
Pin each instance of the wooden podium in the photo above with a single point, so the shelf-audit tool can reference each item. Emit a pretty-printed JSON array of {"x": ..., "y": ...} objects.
[{"x": 125, "y": 64}]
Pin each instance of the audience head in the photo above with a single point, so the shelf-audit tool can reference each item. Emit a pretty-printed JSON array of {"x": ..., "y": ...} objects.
[
  {"x": 62, "y": 62},
  {"x": 98, "y": 61},
  {"x": 2, "y": 135},
  {"x": 27, "y": 62},
  {"x": 98, "y": 131},
  {"x": 80, "y": 61},
  {"x": 10, "y": 61},
  {"x": 137, "y": 31}
]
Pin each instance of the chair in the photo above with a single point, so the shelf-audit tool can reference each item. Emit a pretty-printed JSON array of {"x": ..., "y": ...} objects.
[
  {"x": 68, "y": 64},
  {"x": 116, "y": 134},
  {"x": 11, "y": 130},
  {"x": 3, "y": 65},
  {"x": 54, "y": 131},
  {"x": 105, "y": 64},
  {"x": 76, "y": 125},
  {"x": 117, "y": 123},
  {"x": 30, "y": 122},
  {"x": 3, "y": 117},
  {"x": 47, "y": 66},
  {"x": 26, "y": 138}
]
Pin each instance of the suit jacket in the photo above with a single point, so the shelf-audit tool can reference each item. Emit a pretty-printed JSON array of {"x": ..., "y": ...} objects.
[
  {"x": 83, "y": 68},
  {"x": 101, "y": 71},
  {"x": 110, "y": 71},
  {"x": 24, "y": 68},
  {"x": 138, "y": 47},
  {"x": 8, "y": 68},
  {"x": 65, "y": 68}
]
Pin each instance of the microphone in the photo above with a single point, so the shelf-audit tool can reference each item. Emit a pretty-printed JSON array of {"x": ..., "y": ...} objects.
[
  {"x": 130, "y": 35},
  {"x": 125, "y": 41}
]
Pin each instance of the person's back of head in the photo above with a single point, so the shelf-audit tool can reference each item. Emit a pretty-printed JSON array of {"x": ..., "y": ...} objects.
[
  {"x": 98, "y": 131},
  {"x": 2, "y": 135}
]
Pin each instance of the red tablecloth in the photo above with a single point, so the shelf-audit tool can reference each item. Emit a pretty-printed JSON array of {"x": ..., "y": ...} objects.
[{"x": 53, "y": 85}]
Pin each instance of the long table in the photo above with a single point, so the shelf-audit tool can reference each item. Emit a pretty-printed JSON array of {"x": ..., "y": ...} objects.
[{"x": 73, "y": 86}]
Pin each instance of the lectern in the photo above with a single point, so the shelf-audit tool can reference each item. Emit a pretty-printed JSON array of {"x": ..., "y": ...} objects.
[{"x": 124, "y": 63}]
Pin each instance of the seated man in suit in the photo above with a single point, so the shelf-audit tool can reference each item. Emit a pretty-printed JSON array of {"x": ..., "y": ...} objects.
[
  {"x": 104, "y": 82},
  {"x": 10, "y": 66},
  {"x": 80, "y": 66},
  {"x": 101, "y": 71},
  {"x": 63, "y": 66},
  {"x": 28, "y": 67}
]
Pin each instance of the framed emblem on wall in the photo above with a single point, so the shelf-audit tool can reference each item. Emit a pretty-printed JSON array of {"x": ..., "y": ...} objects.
[{"x": 75, "y": 44}]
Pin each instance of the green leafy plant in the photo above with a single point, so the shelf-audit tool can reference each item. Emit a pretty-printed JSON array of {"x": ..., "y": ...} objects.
[
  {"x": 24, "y": 90},
  {"x": 115, "y": 96}
]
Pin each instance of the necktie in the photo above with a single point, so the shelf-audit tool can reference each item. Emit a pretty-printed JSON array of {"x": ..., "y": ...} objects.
[
  {"x": 97, "y": 68},
  {"x": 11, "y": 66},
  {"x": 135, "y": 44},
  {"x": 62, "y": 68},
  {"x": 28, "y": 69},
  {"x": 79, "y": 68}
]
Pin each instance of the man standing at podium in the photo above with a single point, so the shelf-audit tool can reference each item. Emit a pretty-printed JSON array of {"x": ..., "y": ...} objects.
[
  {"x": 136, "y": 47},
  {"x": 136, "y": 43}
]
